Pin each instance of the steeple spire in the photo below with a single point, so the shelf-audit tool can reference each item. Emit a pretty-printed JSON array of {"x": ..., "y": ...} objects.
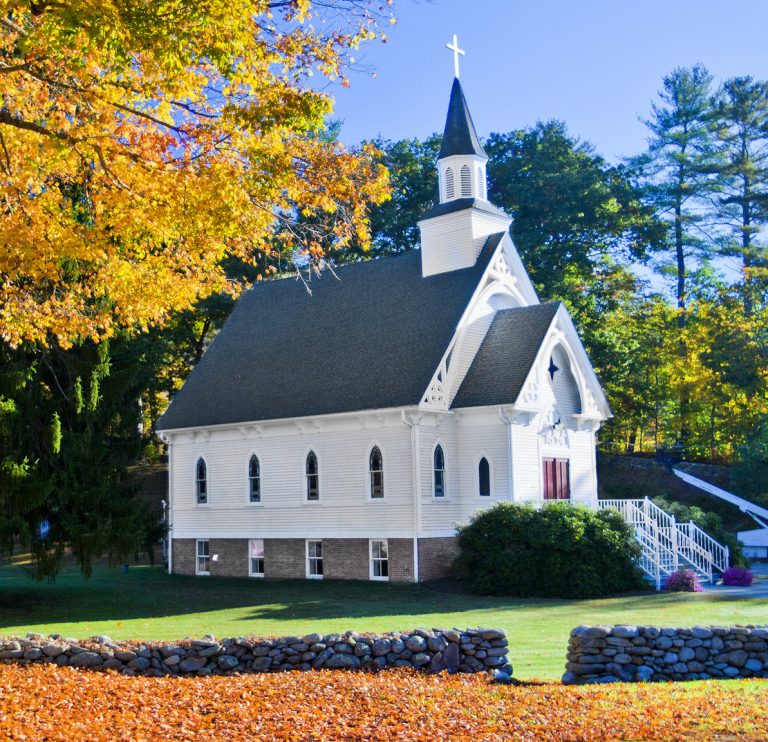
[
  {"x": 459, "y": 137},
  {"x": 453, "y": 232}
]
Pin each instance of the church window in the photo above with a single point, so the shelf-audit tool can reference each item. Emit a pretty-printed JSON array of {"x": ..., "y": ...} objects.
[
  {"x": 480, "y": 184},
  {"x": 201, "y": 482},
  {"x": 313, "y": 477},
  {"x": 379, "y": 560},
  {"x": 202, "y": 557},
  {"x": 376, "y": 473},
  {"x": 439, "y": 472},
  {"x": 254, "y": 479},
  {"x": 484, "y": 478},
  {"x": 466, "y": 181},
  {"x": 315, "y": 560},
  {"x": 256, "y": 557},
  {"x": 450, "y": 189}
]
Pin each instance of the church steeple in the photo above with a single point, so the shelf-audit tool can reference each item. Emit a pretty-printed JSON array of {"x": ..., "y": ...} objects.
[
  {"x": 461, "y": 164},
  {"x": 459, "y": 136},
  {"x": 454, "y": 231}
]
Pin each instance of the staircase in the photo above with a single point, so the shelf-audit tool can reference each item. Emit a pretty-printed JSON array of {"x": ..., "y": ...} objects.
[{"x": 668, "y": 545}]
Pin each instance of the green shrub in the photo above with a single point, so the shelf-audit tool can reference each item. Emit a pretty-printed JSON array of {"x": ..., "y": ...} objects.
[
  {"x": 559, "y": 551},
  {"x": 710, "y": 522}
]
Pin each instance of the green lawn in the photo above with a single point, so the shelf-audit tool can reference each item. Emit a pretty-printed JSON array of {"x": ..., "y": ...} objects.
[{"x": 147, "y": 604}]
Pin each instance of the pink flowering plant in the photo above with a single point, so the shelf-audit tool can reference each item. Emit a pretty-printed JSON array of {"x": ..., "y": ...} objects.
[
  {"x": 740, "y": 576},
  {"x": 683, "y": 581}
]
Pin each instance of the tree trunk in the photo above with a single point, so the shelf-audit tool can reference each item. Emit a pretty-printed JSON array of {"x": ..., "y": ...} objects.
[
  {"x": 746, "y": 245},
  {"x": 680, "y": 256}
]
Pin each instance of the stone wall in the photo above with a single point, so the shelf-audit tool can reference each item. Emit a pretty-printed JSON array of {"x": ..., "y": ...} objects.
[
  {"x": 454, "y": 650},
  {"x": 604, "y": 654}
]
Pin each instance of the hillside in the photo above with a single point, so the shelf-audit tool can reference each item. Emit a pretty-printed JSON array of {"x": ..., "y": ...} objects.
[{"x": 627, "y": 477}]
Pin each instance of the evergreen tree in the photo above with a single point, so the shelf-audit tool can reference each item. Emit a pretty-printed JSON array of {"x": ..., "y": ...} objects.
[
  {"x": 741, "y": 127},
  {"x": 676, "y": 169},
  {"x": 70, "y": 432}
]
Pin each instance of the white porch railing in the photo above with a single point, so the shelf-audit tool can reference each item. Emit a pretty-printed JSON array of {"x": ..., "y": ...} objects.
[{"x": 666, "y": 545}]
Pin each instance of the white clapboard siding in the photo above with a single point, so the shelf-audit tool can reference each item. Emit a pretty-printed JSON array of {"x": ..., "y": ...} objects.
[
  {"x": 564, "y": 386},
  {"x": 345, "y": 508},
  {"x": 489, "y": 440},
  {"x": 453, "y": 241},
  {"x": 440, "y": 515}
]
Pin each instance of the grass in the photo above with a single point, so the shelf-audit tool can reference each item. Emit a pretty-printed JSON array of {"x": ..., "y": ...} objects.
[{"x": 147, "y": 604}]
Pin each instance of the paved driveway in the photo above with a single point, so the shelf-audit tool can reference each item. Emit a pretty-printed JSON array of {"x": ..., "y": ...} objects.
[{"x": 759, "y": 588}]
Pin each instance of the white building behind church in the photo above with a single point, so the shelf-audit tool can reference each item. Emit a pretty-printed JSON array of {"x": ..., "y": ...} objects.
[{"x": 344, "y": 434}]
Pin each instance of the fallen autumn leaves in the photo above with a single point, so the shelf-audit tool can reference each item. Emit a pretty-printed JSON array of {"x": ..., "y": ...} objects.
[{"x": 48, "y": 702}]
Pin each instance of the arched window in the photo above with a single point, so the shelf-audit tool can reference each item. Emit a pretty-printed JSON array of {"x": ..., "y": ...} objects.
[
  {"x": 480, "y": 184},
  {"x": 201, "y": 482},
  {"x": 439, "y": 472},
  {"x": 313, "y": 477},
  {"x": 254, "y": 479},
  {"x": 466, "y": 181},
  {"x": 450, "y": 191},
  {"x": 376, "y": 472},
  {"x": 484, "y": 478}
]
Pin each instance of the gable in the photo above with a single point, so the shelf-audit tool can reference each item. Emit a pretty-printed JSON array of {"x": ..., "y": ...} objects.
[
  {"x": 511, "y": 365},
  {"x": 506, "y": 356},
  {"x": 367, "y": 340}
]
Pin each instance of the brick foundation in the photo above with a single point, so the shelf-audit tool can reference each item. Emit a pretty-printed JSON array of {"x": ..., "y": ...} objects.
[
  {"x": 436, "y": 557},
  {"x": 400, "y": 559},
  {"x": 183, "y": 556},
  {"x": 346, "y": 559},
  {"x": 285, "y": 559}
]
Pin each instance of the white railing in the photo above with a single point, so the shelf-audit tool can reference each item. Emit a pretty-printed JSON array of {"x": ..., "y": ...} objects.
[
  {"x": 664, "y": 543},
  {"x": 655, "y": 532},
  {"x": 699, "y": 549}
]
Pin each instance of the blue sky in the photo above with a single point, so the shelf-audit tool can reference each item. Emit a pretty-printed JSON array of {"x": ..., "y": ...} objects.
[{"x": 595, "y": 64}]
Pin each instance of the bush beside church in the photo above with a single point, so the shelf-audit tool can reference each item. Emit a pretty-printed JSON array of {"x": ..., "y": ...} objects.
[{"x": 559, "y": 551}]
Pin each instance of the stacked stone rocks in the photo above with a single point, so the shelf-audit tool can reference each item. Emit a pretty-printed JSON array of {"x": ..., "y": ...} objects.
[
  {"x": 609, "y": 654},
  {"x": 454, "y": 650}
]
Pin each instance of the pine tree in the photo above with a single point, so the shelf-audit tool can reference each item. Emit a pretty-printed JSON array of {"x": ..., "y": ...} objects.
[
  {"x": 741, "y": 127},
  {"x": 676, "y": 169}
]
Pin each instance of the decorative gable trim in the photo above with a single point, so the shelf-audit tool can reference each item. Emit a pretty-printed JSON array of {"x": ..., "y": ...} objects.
[
  {"x": 594, "y": 405},
  {"x": 504, "y": 284}
]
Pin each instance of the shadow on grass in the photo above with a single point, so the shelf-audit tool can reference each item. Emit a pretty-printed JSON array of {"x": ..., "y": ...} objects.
[{"x": 148, "y": 593}]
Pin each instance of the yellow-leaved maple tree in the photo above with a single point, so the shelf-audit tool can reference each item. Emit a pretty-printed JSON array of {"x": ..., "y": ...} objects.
[{"x": 141, "y": 143}]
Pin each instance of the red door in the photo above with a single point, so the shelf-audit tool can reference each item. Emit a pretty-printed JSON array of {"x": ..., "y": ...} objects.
[{"x": 557, "y": 484}]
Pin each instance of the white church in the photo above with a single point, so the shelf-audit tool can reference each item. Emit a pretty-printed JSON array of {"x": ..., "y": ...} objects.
[{"x": 343, "y": 434}]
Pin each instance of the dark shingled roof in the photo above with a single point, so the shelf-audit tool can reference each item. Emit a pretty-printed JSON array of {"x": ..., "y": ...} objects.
[
  {"x": 506, "y": 355},
  {"x": 459, "y": 204},
  {"x": 370, "y": 340},
  {"x": 459, "y": 137}
]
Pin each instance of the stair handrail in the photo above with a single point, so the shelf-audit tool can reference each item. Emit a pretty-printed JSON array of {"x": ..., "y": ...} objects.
[{"x": 717, "y": 554}]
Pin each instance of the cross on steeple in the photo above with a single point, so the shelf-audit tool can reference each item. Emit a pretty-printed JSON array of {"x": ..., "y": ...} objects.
[{"x": 454, "y": 47}]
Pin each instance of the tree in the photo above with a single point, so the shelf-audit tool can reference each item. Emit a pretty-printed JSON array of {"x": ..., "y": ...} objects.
[
  {"x": 741, "y": 128},
  {"x": 153, "y": 157},
  {"x": 140, "y": 144},
  {"x": 676, "y": 169},
  {"x": 571, "y": 210},
  {"x": 69, "y": 436},
  {"x": 411, "y": 164}
]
